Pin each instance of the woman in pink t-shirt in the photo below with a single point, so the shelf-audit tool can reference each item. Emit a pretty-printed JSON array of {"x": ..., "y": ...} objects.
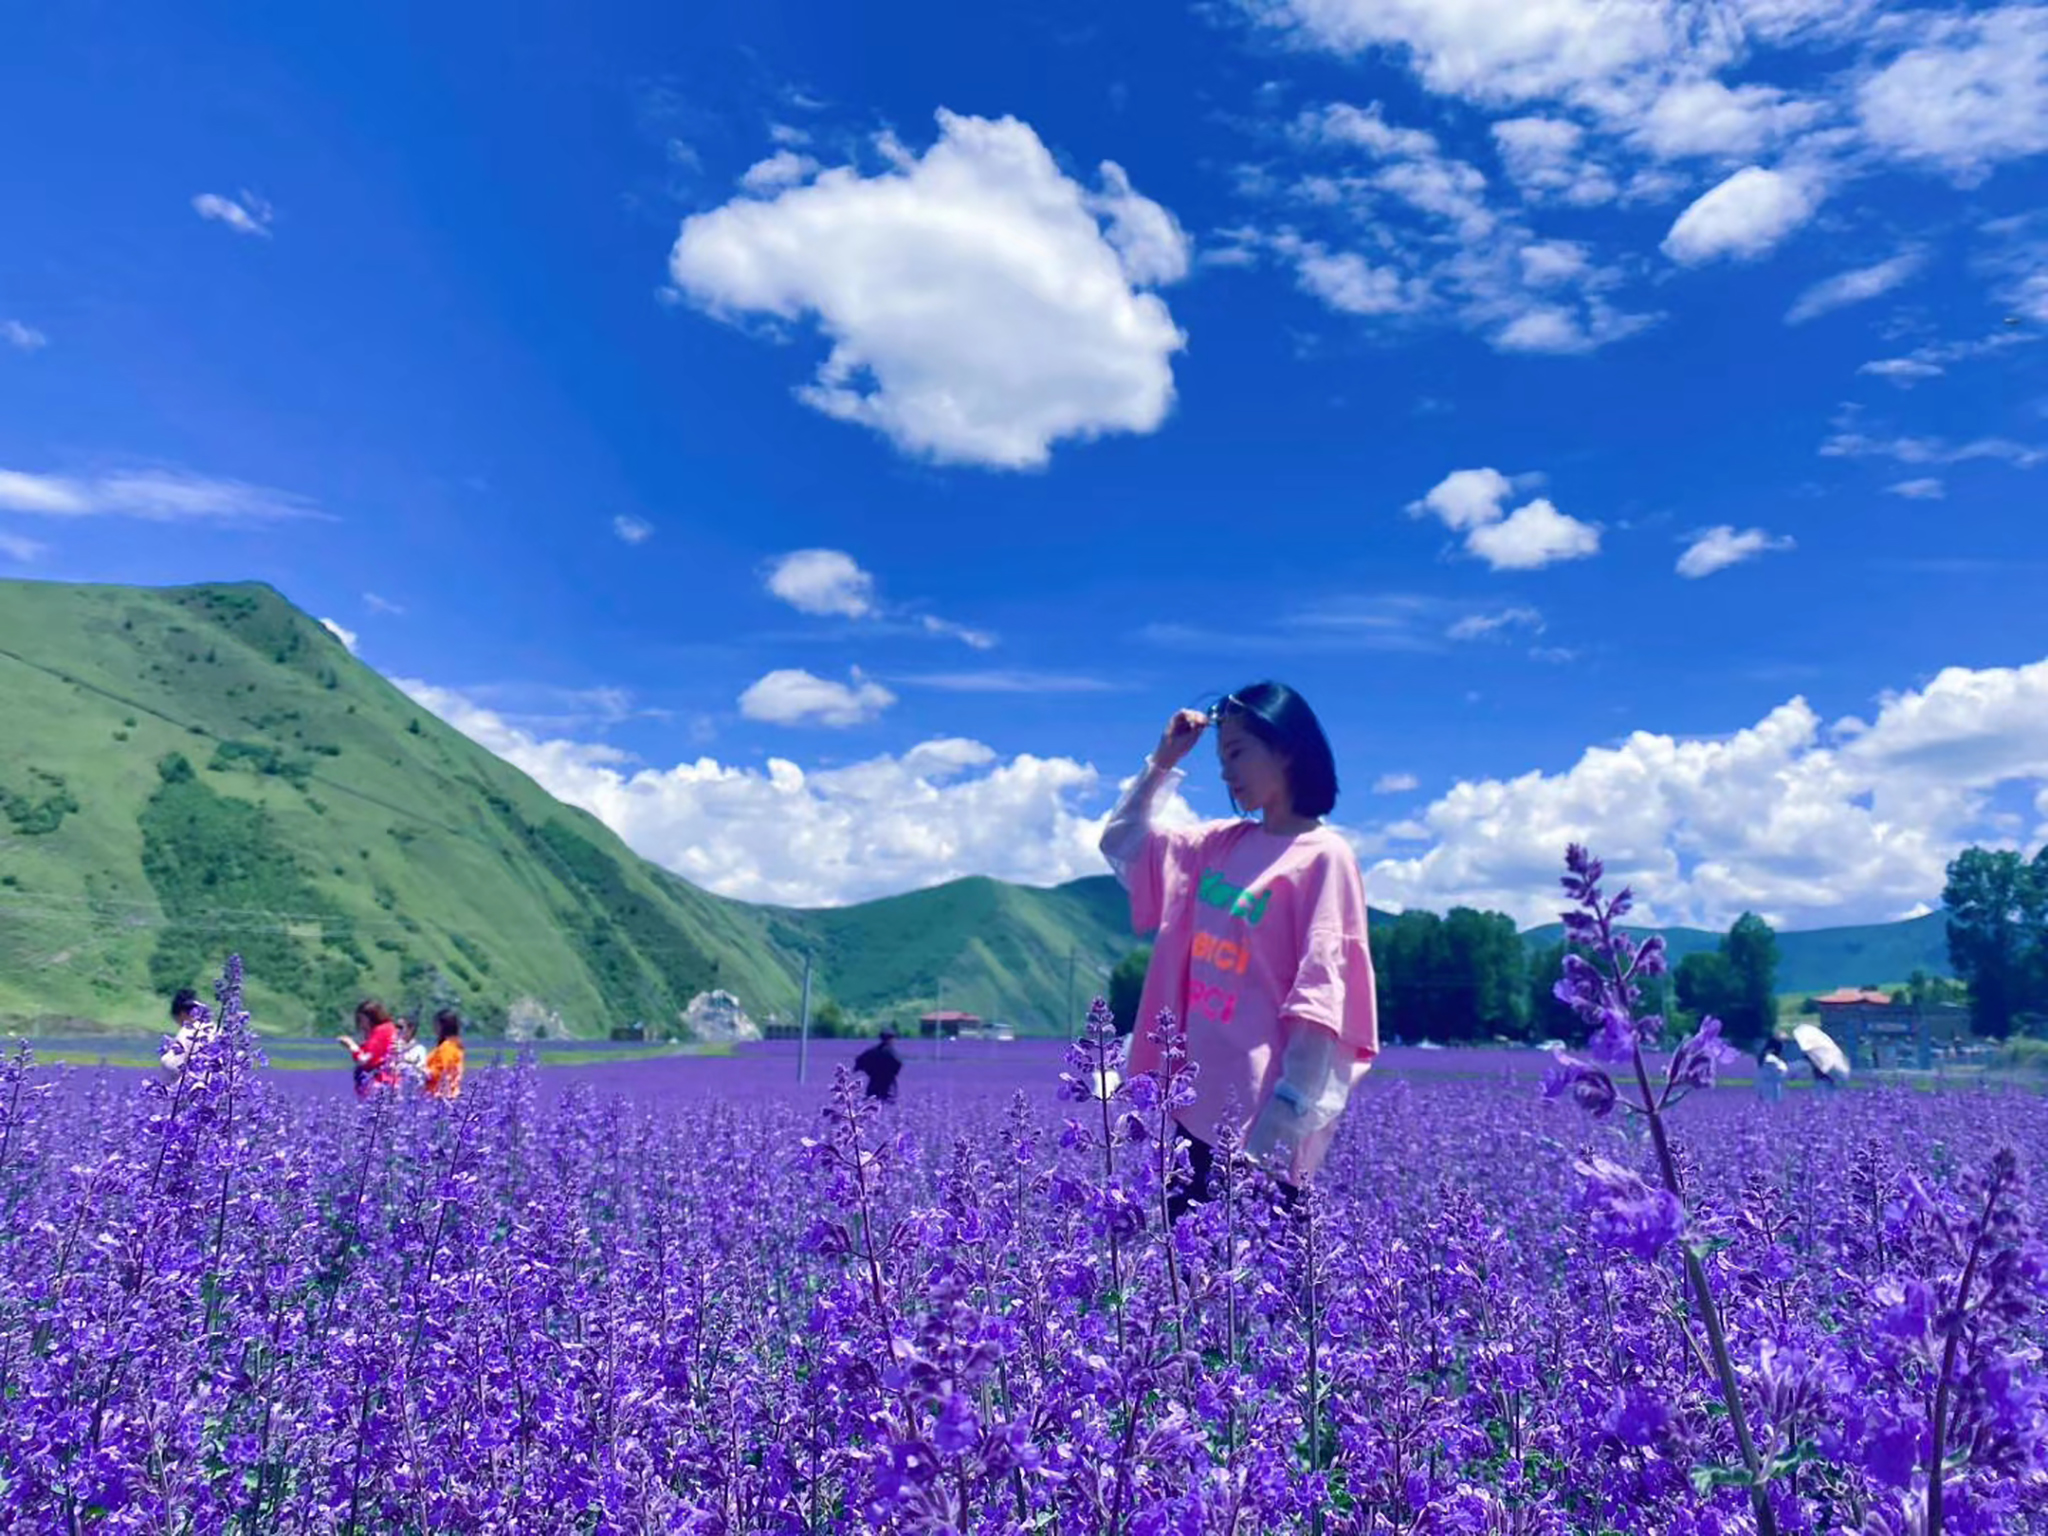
[{"x": 1261, "y": 924}]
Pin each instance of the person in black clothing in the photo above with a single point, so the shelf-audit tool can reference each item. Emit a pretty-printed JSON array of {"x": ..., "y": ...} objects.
[{"x": 879, "y": 1064}]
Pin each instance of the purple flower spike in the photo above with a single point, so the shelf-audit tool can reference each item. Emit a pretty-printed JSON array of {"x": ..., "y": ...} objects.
[
  {"x": 1628, "y": 1212},
  {"x": 1591, "y": 1089},
  {"x": 1696, "y": 1060}
]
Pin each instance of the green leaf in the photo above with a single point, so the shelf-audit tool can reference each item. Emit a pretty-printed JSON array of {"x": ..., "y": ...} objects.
[
  {"x": 1705, "y": 1478},
  {"x": 1791, "y": 1460}
]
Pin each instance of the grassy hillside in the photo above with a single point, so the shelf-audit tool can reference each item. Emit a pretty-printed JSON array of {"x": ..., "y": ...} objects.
[
  {"x": 978, "y": 945},
  {"x": 195, "y": 770},
  {"x": 1821, "y": 959}
]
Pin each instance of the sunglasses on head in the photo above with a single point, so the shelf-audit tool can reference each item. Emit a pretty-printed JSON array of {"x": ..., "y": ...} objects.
[{"x": 1228, "y": 704}]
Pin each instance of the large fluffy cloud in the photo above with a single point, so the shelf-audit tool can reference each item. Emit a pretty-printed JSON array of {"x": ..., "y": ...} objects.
[
  {"x": 943, "y": 809},
  {"x": 1807, "y": 822},
  {"x": 981, "y": 306},
  {"x": 1804, "y": 822}
]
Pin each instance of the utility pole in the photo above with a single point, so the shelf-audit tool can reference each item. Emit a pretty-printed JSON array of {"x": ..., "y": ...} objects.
[
  {"x": 803, "y": 1028},
  {"x": 938, "y": 1015},
  {"x": 1073, "y": 1029}
]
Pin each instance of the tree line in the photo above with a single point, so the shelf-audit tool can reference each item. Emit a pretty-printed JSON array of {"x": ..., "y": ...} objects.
[
  {"x": 1470, "y": 976},
  {"x": 1997, "y": 902}
]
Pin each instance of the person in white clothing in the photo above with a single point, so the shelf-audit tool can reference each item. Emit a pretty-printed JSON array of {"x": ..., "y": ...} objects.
[
  {"x": 412, "y": 1056},
  {"x": 192, "y": 1024}
]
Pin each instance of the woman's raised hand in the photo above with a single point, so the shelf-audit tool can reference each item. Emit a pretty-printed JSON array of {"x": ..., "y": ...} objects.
[{"x": 1179, "y": 737}]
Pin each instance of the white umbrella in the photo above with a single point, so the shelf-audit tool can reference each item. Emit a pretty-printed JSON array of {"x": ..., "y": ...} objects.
[{"x": 1819, "y": 1048}]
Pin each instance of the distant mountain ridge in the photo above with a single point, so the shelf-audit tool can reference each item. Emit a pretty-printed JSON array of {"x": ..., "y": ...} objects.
[
  {"x": 192, "y": 770},
  {"x": 1817, "y": 959}
]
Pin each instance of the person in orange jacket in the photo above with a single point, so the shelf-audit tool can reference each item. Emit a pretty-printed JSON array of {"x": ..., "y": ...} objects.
[{"x": 444, "y": 1062}]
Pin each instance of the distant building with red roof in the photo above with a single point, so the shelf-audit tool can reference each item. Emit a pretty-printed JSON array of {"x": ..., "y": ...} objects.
[
  {"x": 949, "y": 1023},
  {"x": 1873, "y": 1028}
]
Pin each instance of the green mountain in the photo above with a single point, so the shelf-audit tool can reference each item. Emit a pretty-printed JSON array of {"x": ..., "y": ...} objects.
[
  {"x": 1821, "y": 959},
  {"x": 191, "y": 771}
]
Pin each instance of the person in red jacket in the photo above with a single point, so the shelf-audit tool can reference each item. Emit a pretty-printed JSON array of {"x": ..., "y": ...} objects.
[{"x": 374, "y": 1048}]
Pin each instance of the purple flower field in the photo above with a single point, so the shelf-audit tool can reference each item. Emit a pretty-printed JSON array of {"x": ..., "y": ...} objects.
[{"x": 693, "y": 1296}]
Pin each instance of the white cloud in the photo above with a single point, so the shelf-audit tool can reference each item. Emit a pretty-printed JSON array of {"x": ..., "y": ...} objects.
[
  {"x": 347, "y": 637},
  {"x": 1498, "y": 51},
  {"x": 788, "y": 134},
  {"x": 1365, "y": 127},
  {"x": 830, "y": 583},
  {"x": 976, "y": 639},
  {"x": 1803, "y": 823},
  {"x": 1545, "y": 158},
  {"x": 792, "y": 696},
  {"x": 1547, "y": 262},
  {"x": 1706, "y": 117},
  {"x": 1853, "y": 287},
  {"x": 1478, "y": 626},
  {"x": 1346, "y": 281},
  {"x": 1470, "y": 501},
  {"x": 782, "y": 834},
  {"x": 1006, "y": 680},
  {"x": 21, "y": 550},
  {"x": 1718, "y": 548},
  {"x": 1148, "y": 238},
  {"x": 1902, "y": 371},
  {"x": 1849, "y": 441},
  {"x": 1395, "y": 784},
  {"x": 1435, "y": 243},
  {"x": 1532, "y": 537},
  {"x": 1466, "y": 498},
  {"x": 1925, "y": 489},
  {"x": 1551, "y": 328},
  {"x": 784, "y": 168},
  {"x": 1932, "y": 360},
  {"x": 250, "y": 216},
  {"x": 23, "y": 338},
  {"x": 378, "y": 604},
  {"x": 979, "y": 311},
  {"x": 1974, "y": 94},
  {"x": 1744, "y": 217},
  {"x": 826, "y": 582},
  {"x": 153, "y": 495},
  {"x": 633, "y": 530}
]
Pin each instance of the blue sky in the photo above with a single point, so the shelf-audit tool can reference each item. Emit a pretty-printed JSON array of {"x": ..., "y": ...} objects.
[{"x": 826, "y": 441}]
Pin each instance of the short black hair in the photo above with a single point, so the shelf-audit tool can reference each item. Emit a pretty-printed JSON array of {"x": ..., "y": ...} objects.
[
  {"x": 183, "y": 1003},
  {"x": 1281, "y": 718},
  {"x": 447, "y": 1024}
]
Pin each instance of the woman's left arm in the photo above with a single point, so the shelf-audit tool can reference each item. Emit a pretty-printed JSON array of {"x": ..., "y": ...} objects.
[{"x": 1330, "y": 1016}]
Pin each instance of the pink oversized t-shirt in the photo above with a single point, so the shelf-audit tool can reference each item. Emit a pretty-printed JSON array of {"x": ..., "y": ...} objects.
[{"x": 1258, "y": 935}]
